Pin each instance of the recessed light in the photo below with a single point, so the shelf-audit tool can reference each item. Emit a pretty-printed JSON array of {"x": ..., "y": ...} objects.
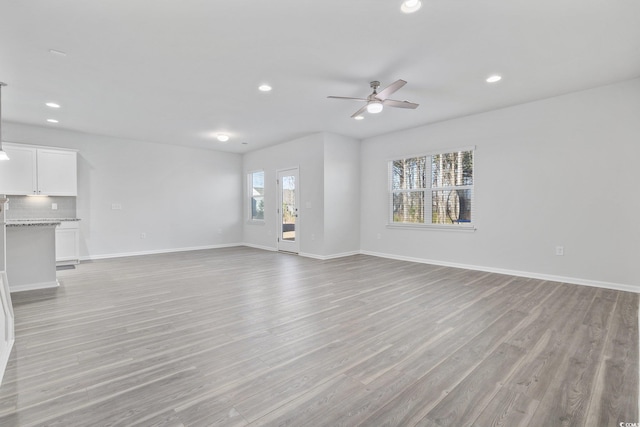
[
  {"x": 494, "y": 79},
  {"x": 57, "y": 52},
  {"x": 52, "y": 105},
  {"x": 53, "y": 121},
  {"x": 358, "y": 118},
  {"x": 264, "y": 88},
  {"x": 222, "y": 137},
  {"x": 410, "y": 6}
]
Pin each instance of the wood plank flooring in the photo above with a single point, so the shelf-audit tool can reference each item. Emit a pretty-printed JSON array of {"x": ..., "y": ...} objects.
[{"x": 239, "y": 336}]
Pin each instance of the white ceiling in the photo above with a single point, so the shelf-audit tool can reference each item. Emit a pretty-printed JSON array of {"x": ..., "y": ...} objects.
[{"x": 180, "y": 71}]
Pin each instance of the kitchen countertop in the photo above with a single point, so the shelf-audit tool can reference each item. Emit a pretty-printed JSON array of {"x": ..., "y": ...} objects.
[
  {"x": 41, "y": 219},
  {"x": 37, "y": 222},
  {"x": 32, "y": 223}
]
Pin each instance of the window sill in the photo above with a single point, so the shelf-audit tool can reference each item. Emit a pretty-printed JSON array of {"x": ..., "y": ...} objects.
[
  {"x": 255, "y": 222},
  {"x": 440, "y": 227}
]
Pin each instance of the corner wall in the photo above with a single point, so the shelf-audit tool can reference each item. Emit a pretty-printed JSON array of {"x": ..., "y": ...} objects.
[
  {"x": 341, "y": 195},
  {"x": 556, "y": 172}
]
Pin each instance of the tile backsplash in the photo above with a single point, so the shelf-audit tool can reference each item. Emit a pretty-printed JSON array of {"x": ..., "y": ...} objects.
[{"x": 28, "y": 207}]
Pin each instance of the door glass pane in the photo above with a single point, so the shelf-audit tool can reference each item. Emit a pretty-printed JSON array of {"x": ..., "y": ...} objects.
[{"x": 289, "y": 211}]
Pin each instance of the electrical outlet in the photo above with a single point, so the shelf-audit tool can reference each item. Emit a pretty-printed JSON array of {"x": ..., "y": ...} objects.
[
  {"x": 379, "y": 236},
  {"x": 560, "y": 250},
  {"x": 116, "y": 206},
  {"x": 54, "y": 206},
  {"x": 143, "y": 235}
]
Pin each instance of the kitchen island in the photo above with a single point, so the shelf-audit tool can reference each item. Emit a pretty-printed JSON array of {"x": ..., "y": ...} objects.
[{"x": 31, "y": 254}]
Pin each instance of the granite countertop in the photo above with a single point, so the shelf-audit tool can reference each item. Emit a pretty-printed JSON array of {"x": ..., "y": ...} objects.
[
  {"x": 31, "y": 222},
  {"x": 40, "y": 220}
]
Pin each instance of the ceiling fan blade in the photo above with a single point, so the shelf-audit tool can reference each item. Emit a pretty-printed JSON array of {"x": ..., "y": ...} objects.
[
  {"x": 387, "y": 91},
  {"x": 347, "y": 97},
  {"x": 359, "y": 112},
  {"x": 399, "y": 104}
]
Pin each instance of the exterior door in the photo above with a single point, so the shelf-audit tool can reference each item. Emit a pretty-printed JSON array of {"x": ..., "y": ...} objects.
[{"x": 288, "y": 200}]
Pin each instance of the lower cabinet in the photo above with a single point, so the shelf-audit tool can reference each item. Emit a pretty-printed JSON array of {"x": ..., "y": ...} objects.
[{"x": 68, "y": 243}]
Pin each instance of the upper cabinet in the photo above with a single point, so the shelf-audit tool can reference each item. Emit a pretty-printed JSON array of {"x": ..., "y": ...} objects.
[
  {"x": 39, "y": 171},
  {"x": 57, "y": 172}
]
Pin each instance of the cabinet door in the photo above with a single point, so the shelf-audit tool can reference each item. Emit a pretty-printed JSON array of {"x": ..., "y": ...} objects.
[
  {"x": 18, "y": 175},
  {"x": 67, "y": 243},
  {"x": 57, "y": 173}
]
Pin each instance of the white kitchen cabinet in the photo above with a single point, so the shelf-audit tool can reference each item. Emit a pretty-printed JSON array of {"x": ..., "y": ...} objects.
[
  {"x": 18, "y": 175},
  {"x": 68, "y": 243},
  {"x": 39, "y": 171}
]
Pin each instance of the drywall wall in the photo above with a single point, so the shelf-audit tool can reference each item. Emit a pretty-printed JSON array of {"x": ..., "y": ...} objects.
[
  {"x": 341, "y": 195},
  {"x": 556, "y": 172},
  {"x": 306, "y": 154},
  {"x": 178, "y": 197}
]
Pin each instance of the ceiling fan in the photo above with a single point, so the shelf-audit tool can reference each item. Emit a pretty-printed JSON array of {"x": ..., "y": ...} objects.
[{"x": 377, "y": 100}]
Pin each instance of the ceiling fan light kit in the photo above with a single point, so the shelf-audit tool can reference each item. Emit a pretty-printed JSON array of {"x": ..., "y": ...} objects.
[
  {"x": 376, "y": 102},
  {"x": 410, "y": 6},
  {"x": 374, "y": 107}
]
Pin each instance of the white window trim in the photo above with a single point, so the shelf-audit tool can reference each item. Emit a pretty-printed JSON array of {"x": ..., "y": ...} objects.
[{"x": 470, "y": 227}]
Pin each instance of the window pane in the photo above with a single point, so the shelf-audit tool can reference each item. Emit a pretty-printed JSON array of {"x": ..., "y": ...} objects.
[
  {"x": 257, "y": 195},
  {"x": 452, "y": 169},
  {"x": 451, "y": 207},
  {"x": 408, "y": 174},
  {"x": 408, "y": 207},
  {"x": 257, "y": 208}
]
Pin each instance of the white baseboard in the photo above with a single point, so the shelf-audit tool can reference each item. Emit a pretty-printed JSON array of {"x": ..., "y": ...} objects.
[
  {"x": 264, "y": 248},
  {"x": 157, "y": 251},
  {"x": 327, "y": 257},
  {"x": 528, "y": 274},
  {"x": 33, "y": 286}
]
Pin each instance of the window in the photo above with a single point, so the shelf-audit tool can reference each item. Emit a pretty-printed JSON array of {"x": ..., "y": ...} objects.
[
  {"x": 256, "y": 194},
  {"x": 435, "y": 189}
]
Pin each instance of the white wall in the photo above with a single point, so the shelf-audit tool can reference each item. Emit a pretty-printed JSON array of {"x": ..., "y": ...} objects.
[
  {"x": 180, "y": 197},
  {"x": 341, "y": 195},
  {"x": 556, "y": 172}
]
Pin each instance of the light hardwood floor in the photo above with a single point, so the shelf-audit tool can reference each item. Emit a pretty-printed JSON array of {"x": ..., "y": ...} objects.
[{"x": 241, "y": 336}]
